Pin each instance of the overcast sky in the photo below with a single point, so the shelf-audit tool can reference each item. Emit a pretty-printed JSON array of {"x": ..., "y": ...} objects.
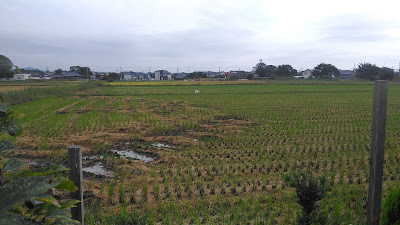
[{"x": 199, "y": 35}]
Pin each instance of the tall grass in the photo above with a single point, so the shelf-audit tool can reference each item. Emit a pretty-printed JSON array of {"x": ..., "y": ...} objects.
[{"x": 33, "y": 93}]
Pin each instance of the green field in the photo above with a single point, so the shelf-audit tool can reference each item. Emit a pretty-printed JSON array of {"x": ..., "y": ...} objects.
[{"x": 230, "y": 146}]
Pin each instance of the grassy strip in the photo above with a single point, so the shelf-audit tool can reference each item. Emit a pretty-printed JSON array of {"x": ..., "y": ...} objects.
[{"x": 32, "y": 93}]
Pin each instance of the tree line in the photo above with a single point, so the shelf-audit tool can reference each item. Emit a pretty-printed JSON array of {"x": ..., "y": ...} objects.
[{"x": 365, "y": 71}]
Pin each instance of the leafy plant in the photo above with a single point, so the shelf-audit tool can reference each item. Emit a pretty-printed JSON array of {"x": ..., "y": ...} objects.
[
  {"x": 391, "y": 208},
  {"x": 309, "y": 190},
  {"x": 22, "y": 197},
  {"x": 7, "y": 125}
]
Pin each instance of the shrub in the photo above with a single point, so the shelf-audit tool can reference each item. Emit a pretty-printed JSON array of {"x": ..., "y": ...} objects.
[
  {"x": 309, "y": 190},
  {"x": 391, "y": 208},
  {"x": 125, "y": 219}
]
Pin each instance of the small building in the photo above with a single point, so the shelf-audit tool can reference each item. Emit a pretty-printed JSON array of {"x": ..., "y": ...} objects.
[
  {"x": 306, "y": 73},
  {"x": 129, "y": 76},
  {"x": 22, "y": 76},
  {"x": 346, "y": 74},
  {"x": 161, "y": 74},
  {"x": 68, "y": 75}
]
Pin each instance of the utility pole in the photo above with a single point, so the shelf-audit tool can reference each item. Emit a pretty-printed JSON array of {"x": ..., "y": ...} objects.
[{"x": 87, "y": 72}]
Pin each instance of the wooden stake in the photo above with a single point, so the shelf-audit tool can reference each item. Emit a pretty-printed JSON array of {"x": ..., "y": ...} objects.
[
  {"x": 377, "y": 152},
  {"x": 75, "y": 175}
]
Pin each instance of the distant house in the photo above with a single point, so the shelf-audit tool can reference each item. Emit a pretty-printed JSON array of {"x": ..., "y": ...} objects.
[
  {"x": 22, "y": 76},
  {"x": 180, "y": 75},
  {"x": 306, "y": 74},
  {"x": 346, "y": 74},
  {"x": 160, "y": 75},
  {"x": 68, "y": 75},
  {"x": 129, "y": 76}
]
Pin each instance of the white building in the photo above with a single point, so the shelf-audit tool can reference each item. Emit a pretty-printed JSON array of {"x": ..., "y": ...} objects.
[
  {"x": 130, "y": 77},
  {"x": 22, "y": 76},
  {"x": 306, "y": 74},
  {"x": 157, "y": 75}
]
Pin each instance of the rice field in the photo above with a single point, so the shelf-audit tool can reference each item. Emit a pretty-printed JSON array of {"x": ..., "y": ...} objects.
[{"x": 217, "y": 157}]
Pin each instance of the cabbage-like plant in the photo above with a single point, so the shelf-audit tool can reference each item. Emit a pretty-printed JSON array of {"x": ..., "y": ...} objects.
[
  {"x": 7, "y": 125},
  {"x": 23, "y": 197}
]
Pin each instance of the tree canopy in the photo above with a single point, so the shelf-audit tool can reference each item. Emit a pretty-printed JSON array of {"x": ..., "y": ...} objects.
[
  {"x": 5, "y": 67},
  {"x": 84, "y": 71},
  {"x": 367, "y": 71},
  {"x": 261, "y": 69},
  {"x": 271, "y": 70},
  {"x": 285, "y": 70},
  {"x": 196, "y": 75},
  {"x": 386, "y": 74},
  {"x": 324, "y": 70}
]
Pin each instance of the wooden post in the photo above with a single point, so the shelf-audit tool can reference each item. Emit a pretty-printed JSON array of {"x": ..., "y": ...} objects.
[
  {"x": 377, "y": 152},
  {"x": 75, "y": 175}
]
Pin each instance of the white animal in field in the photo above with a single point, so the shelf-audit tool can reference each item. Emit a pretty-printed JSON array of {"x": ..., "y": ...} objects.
[{"x": 196, "y": 91}]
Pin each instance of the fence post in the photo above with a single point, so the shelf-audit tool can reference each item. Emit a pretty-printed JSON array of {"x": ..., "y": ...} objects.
[
  {"x": 75, "y": 175},
  {"x": 377, "y": 152}
]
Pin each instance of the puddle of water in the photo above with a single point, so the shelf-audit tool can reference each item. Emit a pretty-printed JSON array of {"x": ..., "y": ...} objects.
[
  {"x": 161, "y": 145},
  {"x": 93, "y": 157},
  {"x": 134, "y": 155},
  {"x": 98, "y": 169}
]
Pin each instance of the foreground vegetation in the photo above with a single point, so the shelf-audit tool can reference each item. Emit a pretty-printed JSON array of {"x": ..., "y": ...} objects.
[{"x": 229, "y": 148}]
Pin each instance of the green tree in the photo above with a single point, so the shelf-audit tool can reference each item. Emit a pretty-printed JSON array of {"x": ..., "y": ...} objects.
[
  {"x": 324, "y": 70},
  {"x": 261, "y": 69},
  {"x": 114, "y": 76},
  {"x": 5, "y": 67},
  {"x": 58, "y": 71},
  {"x": 367, "y": 71},
  {"x": 196, "y": 75},
  {"x": 285, "y": 71},
  {"x": 386, "y": 74},
  {"x": 84, "y": 71},
  {"x": 271, "y": 71},
  {"x": 250, "y": 76}
]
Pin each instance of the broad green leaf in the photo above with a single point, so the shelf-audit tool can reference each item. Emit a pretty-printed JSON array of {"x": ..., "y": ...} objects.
[
  {"x": 38, "y": 172},
  {"x": 3, "y": 109},
  {"x": 5, "y": 145},
  {"x": 48, "y": 199},
  {"x": 68, "y": 203},
  {"x": 13, "y": 129},
  {"x": 43, "y": 209},
  {"x": 22, "y": 189},
  {"x": 67, "y": 185},
  {"x": 63, "y": 216},
  {"x": 14, "y": 219},
  {"x": 12, "y": 165}
]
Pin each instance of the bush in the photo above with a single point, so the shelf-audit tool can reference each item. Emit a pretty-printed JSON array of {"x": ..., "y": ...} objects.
[
  {"x": 391, "y": 208},
  {"x": 23, "y": 198},
  {"x": 125, "y": 219},
  {"x": 309, "y": 190}
]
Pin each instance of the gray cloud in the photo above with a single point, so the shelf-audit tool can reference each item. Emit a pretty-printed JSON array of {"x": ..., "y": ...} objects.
[
  {"x": 198, "y": 35},
  {"x": 355, "y": 28}
]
